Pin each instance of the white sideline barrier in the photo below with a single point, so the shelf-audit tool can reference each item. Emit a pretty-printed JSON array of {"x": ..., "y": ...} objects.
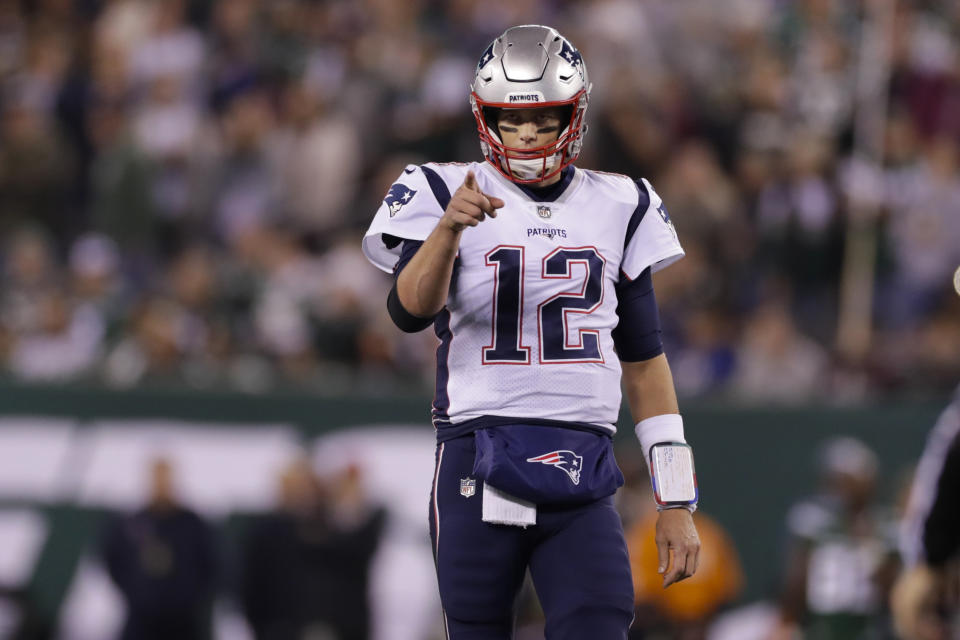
[
  {"x": 35, "y": 457},
  {"x": 93, "y": 609},
  {"x": 217, "y": 468},
  {"x": 22, "y": 535}
]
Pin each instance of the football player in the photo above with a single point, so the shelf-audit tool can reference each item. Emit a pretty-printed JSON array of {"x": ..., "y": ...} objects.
[{"x": 536, "y": 276}]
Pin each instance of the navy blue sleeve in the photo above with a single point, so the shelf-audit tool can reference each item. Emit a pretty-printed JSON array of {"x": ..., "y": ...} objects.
[
  {"x": 407, "y": 251},
  {"x": 637, "y": 335},
  {"x": 405, "y": 320}
]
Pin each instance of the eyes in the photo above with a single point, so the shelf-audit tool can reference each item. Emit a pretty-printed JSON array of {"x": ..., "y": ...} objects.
[{"x": 541, "y": 119}]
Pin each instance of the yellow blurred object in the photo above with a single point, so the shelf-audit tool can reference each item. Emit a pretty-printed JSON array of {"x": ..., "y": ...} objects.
[{"x": 718, "y": 580}]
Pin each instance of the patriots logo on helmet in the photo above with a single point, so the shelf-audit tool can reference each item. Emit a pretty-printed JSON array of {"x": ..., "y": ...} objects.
[
  {"x": 486, "y": 57},
  {"x": 571, "y": 55},
  {"x": 399, "y": 195},
  {"x": 567, "y": 461}
]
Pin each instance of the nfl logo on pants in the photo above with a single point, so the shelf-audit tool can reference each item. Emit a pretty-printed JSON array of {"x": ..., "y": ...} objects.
[{"x": 468, "y": 487}]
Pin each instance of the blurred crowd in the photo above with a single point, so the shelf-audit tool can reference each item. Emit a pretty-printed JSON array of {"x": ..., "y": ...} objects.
[{"x": 184, "y": 183}]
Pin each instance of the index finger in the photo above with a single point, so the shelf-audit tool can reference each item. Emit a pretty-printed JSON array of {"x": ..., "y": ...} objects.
[
  {"x": 481, "y": 200},
  {"x": 470, "y": 182}
]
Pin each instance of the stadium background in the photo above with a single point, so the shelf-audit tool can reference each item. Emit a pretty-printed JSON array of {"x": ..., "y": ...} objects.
[{"x": 183, "y": 186}]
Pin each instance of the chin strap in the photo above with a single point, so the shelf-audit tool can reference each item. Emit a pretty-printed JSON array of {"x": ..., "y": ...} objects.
[{"x": 530, "y": 169}]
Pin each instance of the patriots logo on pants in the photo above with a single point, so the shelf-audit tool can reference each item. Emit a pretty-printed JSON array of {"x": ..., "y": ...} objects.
[
  {"x": 398, "y": 196},
  {"x": 566, "y": 461}
]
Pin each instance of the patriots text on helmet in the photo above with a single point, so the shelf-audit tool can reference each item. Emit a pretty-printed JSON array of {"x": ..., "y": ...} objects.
[{"x": 525, "y": 97}]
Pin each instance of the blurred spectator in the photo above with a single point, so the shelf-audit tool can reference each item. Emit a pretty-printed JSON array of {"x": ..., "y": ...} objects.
[
  {"x": 165, "y": 128},
  {"x": 95, "y": 281},
  {"x": 35, "y": 168},
  {"x": 798, "y": 228},
  {"x": 705, "y": 204},
  {"x": 64, "y": 344},
  {"x": 290, "y": 286},
  {"x": 924, "y": 234},
  {"x": 842, "y": 559},
  {"x": 121, "y": 199},
  {"x": 163, "y": 561},
  {"x": 156, "y": 349},
  {"x": 237, "y": 188},
  {"x": 306, "y": 566},
  {"x": 706, "y": 359},
  {"x": 171, "y": 48},
  {"x": 29, "y": 272},
  {"x": 208, "y": 335},
  {"x": 319, "y": 157},
  {"x": 124, "y": 23},
  {"x": 775, "y": 361}
]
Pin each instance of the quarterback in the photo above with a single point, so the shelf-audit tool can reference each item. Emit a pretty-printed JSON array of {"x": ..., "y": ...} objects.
[{"x": 536, "y": 277}]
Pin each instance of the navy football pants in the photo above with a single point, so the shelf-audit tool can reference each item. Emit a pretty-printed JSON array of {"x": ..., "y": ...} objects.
[{"x": 577, "y": 558}]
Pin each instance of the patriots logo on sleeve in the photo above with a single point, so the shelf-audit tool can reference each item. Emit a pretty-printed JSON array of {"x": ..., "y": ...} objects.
[
  {"x": 662, "y": 210},
  {"x": 567, "y": 461},
  {"x": 571, "y": 55},
  {"x": 399, "y": 195},
  {"x": 663, "y": 214}
]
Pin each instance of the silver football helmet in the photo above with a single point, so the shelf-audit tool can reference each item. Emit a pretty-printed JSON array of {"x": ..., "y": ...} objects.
[{"x": 530, "y": 66}]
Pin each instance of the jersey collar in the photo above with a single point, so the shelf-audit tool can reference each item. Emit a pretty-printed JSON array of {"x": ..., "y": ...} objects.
[{"x": 553, "y": 193}]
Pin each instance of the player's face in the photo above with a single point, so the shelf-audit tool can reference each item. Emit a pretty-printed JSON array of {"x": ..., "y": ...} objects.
[{"x": 529, "y": 128}]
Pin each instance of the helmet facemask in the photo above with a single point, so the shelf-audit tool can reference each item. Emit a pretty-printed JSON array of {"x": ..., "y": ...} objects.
[{"x": 536, "y": 164}]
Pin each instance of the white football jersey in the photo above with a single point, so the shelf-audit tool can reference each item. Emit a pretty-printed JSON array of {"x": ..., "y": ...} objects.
[{"x": 526, "y": 332}]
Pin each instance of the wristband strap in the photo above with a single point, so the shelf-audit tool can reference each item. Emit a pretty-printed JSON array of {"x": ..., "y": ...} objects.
[
  {"x": 666, "y": 507},
  {"x": 663, "y": 428}
]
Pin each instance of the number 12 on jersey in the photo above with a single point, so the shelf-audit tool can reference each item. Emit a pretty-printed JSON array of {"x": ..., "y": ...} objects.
[{"x": 508, "y": 303}]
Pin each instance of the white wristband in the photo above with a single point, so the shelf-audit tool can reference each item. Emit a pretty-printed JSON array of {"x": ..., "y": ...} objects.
[{"x": 663, "y": 428}]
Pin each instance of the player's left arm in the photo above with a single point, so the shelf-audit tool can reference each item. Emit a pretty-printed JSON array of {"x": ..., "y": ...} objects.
[{"x": 648, "y": 385}]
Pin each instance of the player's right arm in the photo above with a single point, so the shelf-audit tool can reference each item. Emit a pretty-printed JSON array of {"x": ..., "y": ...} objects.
[{"x": 424, "y": 283}]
